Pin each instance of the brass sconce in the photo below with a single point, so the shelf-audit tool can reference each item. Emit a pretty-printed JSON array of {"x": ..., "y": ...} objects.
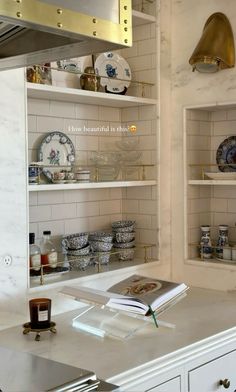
[{"x": 215, "y": 50}]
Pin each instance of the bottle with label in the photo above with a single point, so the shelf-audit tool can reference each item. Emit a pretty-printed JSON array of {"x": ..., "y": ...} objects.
[
  {"x": 48, "y": 251},
  {"x": 205, "y": 243},
  {"x": 223, "y": 240},
  {"x": 34, "y": 252}
]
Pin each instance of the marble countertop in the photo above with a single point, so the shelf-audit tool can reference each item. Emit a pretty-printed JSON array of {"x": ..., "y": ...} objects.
[{"x": 200, "y": 315}]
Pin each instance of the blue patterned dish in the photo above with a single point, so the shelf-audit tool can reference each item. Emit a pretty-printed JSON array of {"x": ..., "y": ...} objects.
[
  {"x": 57, "y": 151},
  {"x": 115, "y": 72},
  {"x": 226, "y": 155}
]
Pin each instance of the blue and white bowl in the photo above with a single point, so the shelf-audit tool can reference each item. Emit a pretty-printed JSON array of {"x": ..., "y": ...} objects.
[
  {"x": 123, "y": 226},
  {"x": 101, "y": 236}
]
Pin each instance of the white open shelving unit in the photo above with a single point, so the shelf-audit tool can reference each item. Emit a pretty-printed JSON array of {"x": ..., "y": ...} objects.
[
  {"x": 65, "y": 94},
  {"x": 212, "y": 182},
  {"x": 140, "y": 18},
  {"x": 89, "y": 185},
  {"x": 79, "y": 96}
]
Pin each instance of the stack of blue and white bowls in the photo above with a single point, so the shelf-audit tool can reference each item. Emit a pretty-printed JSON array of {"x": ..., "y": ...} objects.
[
  {"x": 124, "y": 238},
  {"x": 77, "y": 249},
  {"x": 101, "y": 244}
]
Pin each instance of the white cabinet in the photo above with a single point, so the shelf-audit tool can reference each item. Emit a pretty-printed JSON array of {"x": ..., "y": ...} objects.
[
  {"x": 169, "y": 386},
  {"x": 216, "y": 375}
]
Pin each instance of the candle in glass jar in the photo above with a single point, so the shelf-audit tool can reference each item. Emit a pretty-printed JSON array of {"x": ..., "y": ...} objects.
[{"x": 40, "y": 313}]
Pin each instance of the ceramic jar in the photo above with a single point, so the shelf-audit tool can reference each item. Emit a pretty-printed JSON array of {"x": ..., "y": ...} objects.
[
  {"x": 89, "y": 80},
  {"x": 223, "y": 240},
  {"x": 205, "y": 243}
]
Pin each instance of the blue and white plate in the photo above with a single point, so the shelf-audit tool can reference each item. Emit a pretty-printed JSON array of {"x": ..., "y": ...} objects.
[
  {"x": 226, "y": 155},
  {"x": 57, "y": 152},
  {"x": 116, "y": 71}
]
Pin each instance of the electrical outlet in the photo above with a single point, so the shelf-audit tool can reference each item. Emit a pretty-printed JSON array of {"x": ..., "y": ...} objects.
[{"x": 7, "y": 259}]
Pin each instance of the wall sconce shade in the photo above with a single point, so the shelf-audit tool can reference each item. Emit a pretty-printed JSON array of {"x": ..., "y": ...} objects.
[{"x": 215, "y": 50}]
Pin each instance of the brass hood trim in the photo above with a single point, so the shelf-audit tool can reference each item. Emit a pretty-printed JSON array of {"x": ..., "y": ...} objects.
[{"x": 57, "y": 27}]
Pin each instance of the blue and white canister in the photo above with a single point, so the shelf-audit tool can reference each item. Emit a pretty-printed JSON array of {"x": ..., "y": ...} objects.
[
  {"x": 205, "y": 243},
  {"x": 34, "y": 172},
  {"x": 223, "y": 240}
]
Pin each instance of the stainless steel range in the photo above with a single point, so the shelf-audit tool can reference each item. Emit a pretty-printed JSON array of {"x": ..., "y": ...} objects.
[{"x": 23, "y": 372}]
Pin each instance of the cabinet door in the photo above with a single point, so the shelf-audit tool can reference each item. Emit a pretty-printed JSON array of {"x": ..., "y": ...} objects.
[
  {"x": 217, "y": 375},
  {"x": 169, "y": 386}
]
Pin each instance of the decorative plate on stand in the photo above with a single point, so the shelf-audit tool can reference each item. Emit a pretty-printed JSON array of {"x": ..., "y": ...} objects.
[
  {"x": 57, "y": 151},
  {"x": 114, "y": 71},
  {"x": 226, "y": 155}
]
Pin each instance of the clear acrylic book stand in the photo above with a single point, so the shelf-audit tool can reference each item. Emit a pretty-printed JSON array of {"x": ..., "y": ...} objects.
[{"x": 104, "y": 321}]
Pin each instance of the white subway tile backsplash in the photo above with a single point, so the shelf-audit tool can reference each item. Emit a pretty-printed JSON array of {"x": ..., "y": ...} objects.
[
  {"x": 141, "y": 32},
  {"x": 33, "y": 198},
  {"x": 109, "y": 114},
  {"x": 129, "y": 114},
  {"x": 231, "y": 114},
  {"x": 142, "y": 221},
  {"x": 63, "y": 211},
  {"x": 227, "y": 192},
  {"x": 56, "y": 227},
  {"x": 39, "y": 107},
  {"x": 231, "y": 204},
  {"x": 34, "y": 140},
  {"x": 76, "y": 127},
  {"x": 32, "y": 123},
  {"x": 40, "y": 213},
  {"x": 220, "y": 205},
  {"x": 139, "y": 193},
  {"x": 76, "y": 225},
  {"x": 205, "y": 128},
  {"x": 87, "y": 112},
  {"x": 86, "y": 143},
  {"x": 99, "y": 223},
  {"x": 33, "y": 228},
  {"x": 200, "y": 205},
  {"x": 62, "y": 109},
  {"x": 130, "y": 206},
  {"x": 98, "y": 194},
  {"x": 87, "y": 209},
  {"x": 147, "y": 143},
  {"x": 200, "y": 115},
  {"x": 147, "y": 47},
  {"x": 49, "y": 197},
  {"x": 148, "y": 206},
  {"x": 75, "y": 196},
  {"x": 49, "y": 124},
  {"x": 219, "y": 115},
  {"x": 115, "y": 193},
  {"x": 110, "y": 207},
  {"x": 224, "y": 128}
]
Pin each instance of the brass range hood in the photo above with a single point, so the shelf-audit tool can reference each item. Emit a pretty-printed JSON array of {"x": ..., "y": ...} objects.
[{"x": 40, "y": 31}]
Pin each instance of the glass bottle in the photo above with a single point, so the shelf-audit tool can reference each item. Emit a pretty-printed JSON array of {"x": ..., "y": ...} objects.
[
  {"x": 223, "y": 240},
  {"x": 205, "y": 243},
  {"x": 34, "y": 253},
  {"x": 48, "y": 250}
]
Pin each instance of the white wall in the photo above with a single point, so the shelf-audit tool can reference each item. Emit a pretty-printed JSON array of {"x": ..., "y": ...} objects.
[
  {"x": 13, "y": 215},
  {"x": 187, "y": 88}
]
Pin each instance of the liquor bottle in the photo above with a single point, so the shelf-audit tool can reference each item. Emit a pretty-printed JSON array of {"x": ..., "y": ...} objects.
[
  {"x": 48, "y": 251},
  {"x": 223, "y": 240},
  {"x": 34, "y": 253},
  {"x": 205, "y": 243}
]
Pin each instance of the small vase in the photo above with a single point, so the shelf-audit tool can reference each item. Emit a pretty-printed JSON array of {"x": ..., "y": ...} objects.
[
  {"x": 89, "y": 80},
  {"x": 223, "y": 240},
  {"x": 205, "y": 243}
]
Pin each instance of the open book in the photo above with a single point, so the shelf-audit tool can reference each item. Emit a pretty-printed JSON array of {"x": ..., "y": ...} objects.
[{"x": 137, "y": 294}]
